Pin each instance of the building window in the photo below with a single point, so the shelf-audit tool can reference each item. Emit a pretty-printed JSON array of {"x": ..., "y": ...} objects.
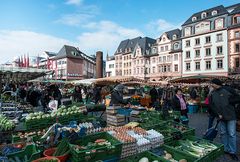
[
  {"x": 188, "y": 55},
  {"x": 168, "y": 58},
  {"x": 204, "y": 14},
  {"x": 197, "y": 65},
  {"x": 188, "y": 43},
  {"x": 194, "y": 18},
  {"x": 197, "y": 53},
  {"x": 175, "y": 57},
  {"x": 176, "y": 46},
  {"x": 236, "y": 20},
  {"x": 160, "y": 59},
  {"x": 219, "y": 38},
  {"x": 174, "y": 37},
  {"x": 237, "y": 34},
  {"x": 164, "y": 58},
  {"x": 153, "y": 70},
  {"x": 153, "y": 60},
  {"x": 237, "y": 64},
  {"x": 208, "y": 51},
  {"x": 214, "y": 12},
  {"x": 164, "y": 68},
  {"x": 162, "y": 49},
  {"x": 237, "y": 47},
  {"x": 208, "y": 65},
  {"x": 208, "y": 39},
  {"x": 197, "y": 41},
  {"x": 219, "y": 50},
  {"x": 166, "y": 48},
  {"x": 188, "y": 66},
  {"x": 154, "y": 50},
  {"x": 219, "y": 64},
  {"x": 169, "y": 68},
  {"x": 176, "y": 67}
]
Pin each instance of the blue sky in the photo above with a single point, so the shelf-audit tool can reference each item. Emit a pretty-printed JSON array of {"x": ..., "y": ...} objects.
[{"x": 33, "y": 26}]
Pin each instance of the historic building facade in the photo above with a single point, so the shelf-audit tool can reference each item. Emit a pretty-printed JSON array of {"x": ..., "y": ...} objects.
[
  {"x": 110, "y": 66},
  {"x": 234, "y": 39},
  {"x": 205, "y": 43},
  {"x": 165, "y": 61}
]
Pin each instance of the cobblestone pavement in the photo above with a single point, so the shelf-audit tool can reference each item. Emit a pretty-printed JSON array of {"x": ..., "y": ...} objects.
[{"x": 199, "y": 121}]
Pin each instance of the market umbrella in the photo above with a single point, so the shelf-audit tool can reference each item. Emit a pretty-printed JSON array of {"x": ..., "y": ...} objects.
[{"x": 197, "y": 79}]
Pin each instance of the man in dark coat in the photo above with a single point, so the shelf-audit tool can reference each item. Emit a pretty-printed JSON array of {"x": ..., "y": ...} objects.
[
  {"x": 117, "y": 96},
  {"x": 154, "y": 95},
  {"x": 220, "y": 104}
]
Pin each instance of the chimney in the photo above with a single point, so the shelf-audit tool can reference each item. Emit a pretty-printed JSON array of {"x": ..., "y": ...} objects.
[{"x": 99, "y": 64}]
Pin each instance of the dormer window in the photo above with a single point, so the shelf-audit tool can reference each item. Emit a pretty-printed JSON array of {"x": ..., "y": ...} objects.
[
  {"x": 194, "y": 18},
  {"x": 214, "y": 12},
  {"x": 174, "y": 37},
  {"x": 204, "y": 14}
]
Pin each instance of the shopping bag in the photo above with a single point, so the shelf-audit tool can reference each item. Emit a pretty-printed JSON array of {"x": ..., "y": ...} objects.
[
  {"x": 211, "y": 133},
  {"x": 53, "y": 105}
]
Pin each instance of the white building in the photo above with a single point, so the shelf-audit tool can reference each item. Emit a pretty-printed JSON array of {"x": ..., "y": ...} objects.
[
  {"x": 204, "y": 43},
  {"x": 110, "y": 66}
]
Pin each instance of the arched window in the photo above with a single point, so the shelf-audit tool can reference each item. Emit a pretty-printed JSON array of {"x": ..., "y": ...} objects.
[
  {"x": 204, "y": 14},
  {"x": 174, "y": 37},
  {"x": 194, "y": 18},
  {"x": 214, "y": 12}
]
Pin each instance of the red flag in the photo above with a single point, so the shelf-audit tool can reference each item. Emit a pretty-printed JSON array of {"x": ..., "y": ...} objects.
[
  {"x": 21, "y": 62},
  {"x": 56, "y": 69},
  {"x": 28, "y": 61}
]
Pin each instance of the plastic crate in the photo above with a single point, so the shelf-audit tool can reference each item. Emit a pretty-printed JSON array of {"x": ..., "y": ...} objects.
[
  {"x": 211, "y": 156},
  {"x": 30, "y": 152},
  {"x": 98, "y": 153},
  {"x": 176, "y": 155},
  {"x": 185, "y": 130},
  {"x": 168, "y": 133},
  {"x": 147, "y": 154}
]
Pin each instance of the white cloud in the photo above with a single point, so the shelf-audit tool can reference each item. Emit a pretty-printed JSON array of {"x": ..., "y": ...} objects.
[
  {"x": 74, "y": 19},
  {"x": 20, "y": 42},
  {"x": 159, "y": 26},
  {"x": 74, "y": 2},
  {"x": 106, "y": 36},
  {"x": 103, "y": 35}
]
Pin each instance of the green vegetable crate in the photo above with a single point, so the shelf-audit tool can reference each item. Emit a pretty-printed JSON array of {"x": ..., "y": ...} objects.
[
  {"x": 209, "y": 157},
  {"x": 150, "y": 156},
  {"x": 185, "y": 130},
  {"x": 167, "y": 132},
  {"x": 98, "y": 152},
  {"x": 175, "y": 155},
  {"x": 28, "y": 154}
]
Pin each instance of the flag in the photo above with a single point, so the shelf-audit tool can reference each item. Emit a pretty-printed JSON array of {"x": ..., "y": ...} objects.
[
  {"x": 38, "y": 61},
  {"x": 19, "y": 62},
  {"x": 56, "y": 69},
  {"x": 28, "y": 61}
]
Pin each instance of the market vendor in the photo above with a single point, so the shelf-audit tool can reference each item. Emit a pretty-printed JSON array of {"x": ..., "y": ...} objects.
[
  {"x": 117, "y": 96},
  {"x": 179, "y": 102}
]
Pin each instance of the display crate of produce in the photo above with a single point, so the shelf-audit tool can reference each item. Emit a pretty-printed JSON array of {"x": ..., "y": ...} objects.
[
  {"x": 99, "y": 146},
  {"x": 203, "y": 150},
  {"x": 22, "y": 136},
  {"x": 28, "y": 154},
  {"x": 151, "y": 124},
  {"x": 185, "y": 130},
  {"x": 170, "y": 154},
  {"x": 144, "y": 156},
  {"x": 156, "y": 139},
  {"x": 168, "y": 133}
]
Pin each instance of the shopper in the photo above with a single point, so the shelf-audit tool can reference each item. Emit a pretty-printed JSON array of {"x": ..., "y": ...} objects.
[
  {"x": 117, "y": 96},
  {"x": 96, "y": 94},
  {"x": 179, "y": 102},
  {"x": 77, "y": 94},
  {"x": 220, "y": 104},
  {"x": 167, "y": 97},
  {"x": 211, "y": 114},
  {"x": 154, "y": 95}
]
